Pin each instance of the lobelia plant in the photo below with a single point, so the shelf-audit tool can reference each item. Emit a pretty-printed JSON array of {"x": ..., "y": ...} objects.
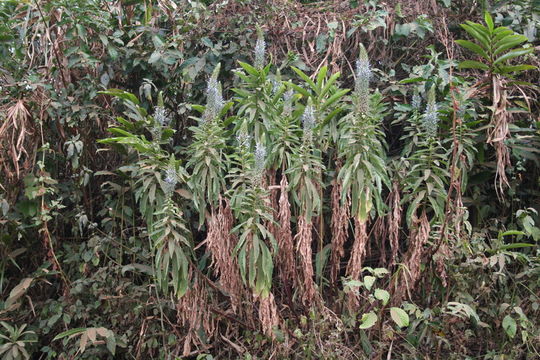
[
  {"x": 207, "y": 153},
  {"x": 157, "y": 173},
  {"x": 362, "y": 151},
  {"x": 208, "y": 164},
  {"x": 425, "y": 189},
  {"x": 256, "y": 244},
  {"x": 305, "y": 176},
  {"x": 258, "y": 94},
  {"x": 285, "y": 135}
]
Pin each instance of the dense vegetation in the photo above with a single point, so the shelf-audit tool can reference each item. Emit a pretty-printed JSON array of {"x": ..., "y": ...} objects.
[{"x": 269, "y": 179}]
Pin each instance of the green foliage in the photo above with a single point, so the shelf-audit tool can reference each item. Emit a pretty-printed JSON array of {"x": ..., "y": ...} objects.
[
  {"x": 14, "y": 341},
  {"x": 117, "y": 148},
  {"x": 495, "y": 46}
]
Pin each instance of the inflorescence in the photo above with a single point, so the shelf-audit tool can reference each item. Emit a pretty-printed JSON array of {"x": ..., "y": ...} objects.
[
  {"x": 430, "y": 120},
  {"x": 260, "y": 50},
  {"x": 288, "y": 102},
  {"x": 214, "y": 99},
  {"x": 309, "y": 121},
  {"x": 260, "y": 160},
  {"x": 170, "y": 180},
  {"x": 363, "y": 76}
]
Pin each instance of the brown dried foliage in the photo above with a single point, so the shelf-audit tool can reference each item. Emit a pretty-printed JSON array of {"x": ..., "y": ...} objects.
[
  {"x": 358, "y": 253},
  {"x": 380, "y": 234},
  {"x": 271, "y": 178},
  {"x": 340, "y": 226},
  {"x": 195, "y": 313},
  {"x": 303, "y": 247},
  {"x": 499, "y": 132},
  {"x": 285, "y": 258},
  {"x": 394, "y": 222},
  {"x": 442, "y": 254},
  {"x": 221, "y": 244},
  {"x": 268, "y": 313},
  {"x": 418, "y": 237},
  {"x": 17, "y": 141}
]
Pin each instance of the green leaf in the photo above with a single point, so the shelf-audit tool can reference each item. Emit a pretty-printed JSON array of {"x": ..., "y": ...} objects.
[
  {"x": 479, "y": 33},
  {"x": 304, "y": 77},
  {"x": 382, "y": 295},
  {"x": 121, "y": 94},
  {"x": 249, "y": 69},
  {"x": 70, "y": 332},
  {"x": 399, "y": 316},
  {"x": 510, "y": 233},
  {"x": 300, "y": 89},
  {"x": 321, "y": 76},
  {"x": 489, "y": 21},
  {"x": 332, "y": 99},
  {"x": 412, "y": 80},
  {"x": 515, "y": 246},
  {"x": 473, "y": 47},
  {"x": 509, "y": 325},
  {"x": 515, "y": 68},
  {"x": 111, "y": 342},
  {"x": 472, "y": 64},
  {"x": 369, "y": 281},
  {"x": 368, "y": 320},
  {"x": 380, "y": 272},
  {"x": 507, "y": 42},
  {"x": 512, "y": 54}
]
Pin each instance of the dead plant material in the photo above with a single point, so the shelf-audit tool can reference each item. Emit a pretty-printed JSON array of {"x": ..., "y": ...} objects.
[
  {"x": 380, "y": 234},
  {"x": 442, "y": 254},
  {"x": 17, "y": 142},
  {"x": 340, "y": 226},
  {"x": 268, "y": 314},
  {"x": 285, "y": 258},
  {"x": 221, "y": 242},
  {"x": 270, "y": 225},
  {"x": 195, "y": 314},
  {"x": 358, "y": 253},
  {"x": 499, "y": 132},
  {"x": 418, "y": 237},
  {"x": 394, "y": 222},
  {"x": 303, "y": 247}
]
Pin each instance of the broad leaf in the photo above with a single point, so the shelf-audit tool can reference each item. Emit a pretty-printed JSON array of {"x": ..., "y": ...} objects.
[
  {"x": 509, "y": 325},
  {"x": 400, "y": 317},
  {"x": 368, "y": 320}
]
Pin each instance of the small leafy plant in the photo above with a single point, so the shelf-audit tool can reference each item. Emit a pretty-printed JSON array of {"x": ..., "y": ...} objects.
[
  {"x": 15, "y": 340},
  {"x": 495, "y": 48}
]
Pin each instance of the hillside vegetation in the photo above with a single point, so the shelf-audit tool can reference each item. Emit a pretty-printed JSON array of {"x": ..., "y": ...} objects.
[{"x": 269, "y": 179}]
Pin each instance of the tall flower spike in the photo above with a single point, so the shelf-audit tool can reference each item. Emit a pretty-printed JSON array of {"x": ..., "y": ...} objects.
[
  {"x": 260, "y": 160},
  {"x": 243, "y": 139},
  {"x": 260, "y": 49},
  {"x": 170, "y": 180},
  {"x": 161, "y": 116},
  {"x": 288, "y": 102},
  {"x": 308, "y": 121},
  {"x": 156, "y": 132},
  {"x": 363, "y": 76},
  {"x": 430, "y": 120},
  {"x": 260, "y": 157},
  {"x": 275, "y": 86},
  {"x": 416, "y": 102},
  {"x": 214, "y": 98}
]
